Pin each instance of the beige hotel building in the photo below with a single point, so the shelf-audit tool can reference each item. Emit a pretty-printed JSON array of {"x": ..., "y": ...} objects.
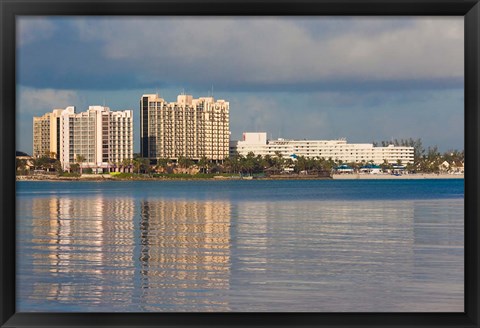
[
  {"x": 192, "y": 128},
  {"x": 101, "y": 136}
]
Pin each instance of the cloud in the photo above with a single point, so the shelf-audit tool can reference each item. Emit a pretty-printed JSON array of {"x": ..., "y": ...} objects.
[
  {"x": 268, "y": 50},
  {"x": 363, "y": 78},
  {"x": 34, "y": 29},
  {"x": 41, "y": 101},
  {"x": 36, "y": 102},
  {"x": 245, "y": 53},
  {"x": 286, "y": 115},
  {"x": 434, "y": 116}
]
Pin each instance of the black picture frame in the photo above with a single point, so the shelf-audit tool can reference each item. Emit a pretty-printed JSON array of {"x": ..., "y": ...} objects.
[{"x": 470, "y": 9}]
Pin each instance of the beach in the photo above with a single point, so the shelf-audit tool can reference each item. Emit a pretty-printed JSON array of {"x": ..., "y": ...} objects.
[{"x": 354, "y": 176}]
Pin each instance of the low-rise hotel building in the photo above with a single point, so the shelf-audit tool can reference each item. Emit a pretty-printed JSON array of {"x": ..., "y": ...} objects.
[
  {"x": 102, "y": 137},
  {"x": 191, "y": 128},
  {"x": 338, "y": 150}
]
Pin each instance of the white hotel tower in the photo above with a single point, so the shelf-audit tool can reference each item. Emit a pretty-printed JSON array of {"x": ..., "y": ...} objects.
[
  {"x": 101, "y": 136},
  {"x": 338, "y": 150}
]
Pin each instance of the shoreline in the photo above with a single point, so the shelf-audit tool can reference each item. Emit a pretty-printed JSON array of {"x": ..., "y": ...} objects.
[
  {"x": 346, "y": 176},
  {"x": 417, "y": 176}
]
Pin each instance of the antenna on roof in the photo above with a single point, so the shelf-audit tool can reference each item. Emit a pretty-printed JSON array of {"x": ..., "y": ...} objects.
[{"x": 212, "y": 90}]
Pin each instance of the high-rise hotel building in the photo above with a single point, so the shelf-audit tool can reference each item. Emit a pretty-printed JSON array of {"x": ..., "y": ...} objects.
[
  {"x": 192, "y": 128},
  {"x": 102, "y": 137}
]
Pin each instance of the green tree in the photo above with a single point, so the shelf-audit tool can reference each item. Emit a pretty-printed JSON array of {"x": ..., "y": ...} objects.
[
  {"x": 80, "y": 159},
  {"x": 386, "y": 165},
  {"x": 20, "y": 165},
  {"x": 288, "y": 162},
  {"x": 232, "y": 164},
  {"x": 125, "y": 163},
  {"x": 278, "y": 161},
  {"x": 141, "y": 164},
  {"x": 203, "y": 164},
  {"x": 184, "y": 162},
  {"x": 57, "y": 165},
  {"x": 301, "y": 164},
  {"x": 162, "y": 163},
  {"x": 74, "y": 168},
  {"x": 137, "y": 164}
]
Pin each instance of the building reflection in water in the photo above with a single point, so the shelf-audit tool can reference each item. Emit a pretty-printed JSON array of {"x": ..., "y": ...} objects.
[
  {"x": 79, "y": 243},
  {"x": 170, "y": 255},
  {"x": 185, "y": 254},
  {"x": 106, "y": 254}
]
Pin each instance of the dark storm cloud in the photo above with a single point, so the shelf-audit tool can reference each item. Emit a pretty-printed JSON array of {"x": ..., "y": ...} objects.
[
  {"x": 244, "y": 54},
  {"x": 321, "y": 78}
]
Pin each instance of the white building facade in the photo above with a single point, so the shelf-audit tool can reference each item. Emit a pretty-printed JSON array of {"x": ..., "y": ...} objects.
[
  {"x": 190, "y": 127},
  {"x": 102, "y": 137},
  {"x": 337, "y": 150}
]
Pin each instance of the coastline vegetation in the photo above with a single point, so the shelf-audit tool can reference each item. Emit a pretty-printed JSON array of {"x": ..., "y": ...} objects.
[{"x": 426, "y": 160}]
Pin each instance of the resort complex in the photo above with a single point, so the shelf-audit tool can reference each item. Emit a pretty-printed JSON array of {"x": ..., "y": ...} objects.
[
  {"x": 192, "y": 136},
  {"x": 96, "y": 138},
  {"x": 337, "y": 150}
]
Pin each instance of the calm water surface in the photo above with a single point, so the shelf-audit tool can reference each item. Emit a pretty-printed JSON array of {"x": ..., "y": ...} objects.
[{"x": 359, "y": 245}]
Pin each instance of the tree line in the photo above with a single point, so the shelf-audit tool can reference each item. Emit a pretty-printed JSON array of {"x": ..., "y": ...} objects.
[{"x": 426, "y": 160}]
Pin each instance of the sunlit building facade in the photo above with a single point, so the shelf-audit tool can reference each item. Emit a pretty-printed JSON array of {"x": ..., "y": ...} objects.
[
  {"x": 337, "y": 150},
  {"x": 191, "y": 128},
  {"x": 41, "y": 135},
  {"x": 99, "y": 137}
]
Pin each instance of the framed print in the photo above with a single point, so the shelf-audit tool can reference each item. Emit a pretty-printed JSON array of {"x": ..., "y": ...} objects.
[{"x": 197, "y": 163}]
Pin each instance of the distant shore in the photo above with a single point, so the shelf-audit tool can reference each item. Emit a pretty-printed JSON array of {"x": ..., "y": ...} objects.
[
  {"x": 108, "y": 177},
  {"x": 416, "y": 176}
]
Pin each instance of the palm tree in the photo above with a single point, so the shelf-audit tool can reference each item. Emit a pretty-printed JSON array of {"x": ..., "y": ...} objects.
[
  {"x": 278, "y": 159},
  {"x": 230, "y": 164},
  {"x": 57, "y": 165},
  {"x": 162, "y": 163},
  {"x": 146, "y": 165},
  {"x": 80, "y": 159},
  {"x": 248, "y": 163},
  {"x": 234, "y": 162},
  {"x": 289, "y": 162},
  {"x": 141, "y": 163},
  {"x": 137, "y": 165},
  {"x": 267, "y": 162},
  {"x": 203, "y": 164},
  {"x": 126, "y": 162},
  {"x": 301, "y": 164},
  {"x": 385, "y": 165},
  {"x": 74, "y": 167},
  {"x": 184, "y": 162}
]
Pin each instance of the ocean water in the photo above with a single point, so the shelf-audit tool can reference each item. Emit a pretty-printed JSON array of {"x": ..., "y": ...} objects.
[{"x": 241, "y": 246}]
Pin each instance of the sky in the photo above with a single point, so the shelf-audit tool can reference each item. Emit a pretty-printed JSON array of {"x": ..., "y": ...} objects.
[{"x": 361, "y": 78}]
